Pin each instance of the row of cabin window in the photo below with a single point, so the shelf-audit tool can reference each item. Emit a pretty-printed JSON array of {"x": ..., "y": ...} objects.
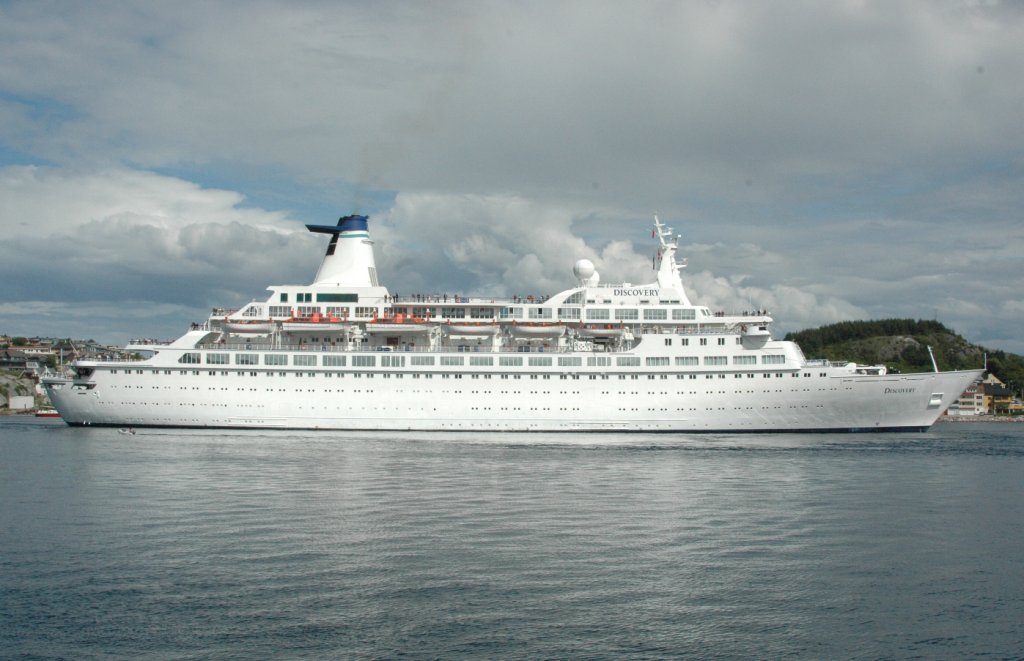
[
  {"x": 307, "y": 297},
  {"x": 310, "y": 360},
  {"x": 685, "y": 341},
  {"x": 428, "y": 375},
  {"x": 536, "y": 313}
]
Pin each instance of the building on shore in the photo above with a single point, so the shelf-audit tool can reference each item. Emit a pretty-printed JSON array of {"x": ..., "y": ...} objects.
[
  {"x": 970, "y": 403},
  {"x": 989, "y": 396}
]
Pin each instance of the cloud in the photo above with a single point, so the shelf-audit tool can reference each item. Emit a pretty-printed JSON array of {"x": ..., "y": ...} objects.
[
  {"x": 136, "y": 249},
  {"x": 129, "y": 196},
  {"x": 505, "y": 245},
  {"x": 650, "y": 102},
  {"x": 135, "y": 239},
  {"x": 821, "y": 160},
  {"x": 502, "y": 244},
  {"x": 131, "y": 267}
]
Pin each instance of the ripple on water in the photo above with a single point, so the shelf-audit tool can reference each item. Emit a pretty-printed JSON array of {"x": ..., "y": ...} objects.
[{"x": 253, "y": 544}]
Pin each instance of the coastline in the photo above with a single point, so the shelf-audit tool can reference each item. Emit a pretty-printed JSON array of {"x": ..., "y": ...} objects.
[{"x": 980, "y": 418}]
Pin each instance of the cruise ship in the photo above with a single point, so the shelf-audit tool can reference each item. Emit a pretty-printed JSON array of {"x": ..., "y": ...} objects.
[{"x": 345, "y": 353}]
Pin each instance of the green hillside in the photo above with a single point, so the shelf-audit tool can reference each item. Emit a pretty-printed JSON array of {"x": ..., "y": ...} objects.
[{"x": 902, "y": 344}]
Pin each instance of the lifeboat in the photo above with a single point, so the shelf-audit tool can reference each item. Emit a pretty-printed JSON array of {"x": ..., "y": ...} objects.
[
  {"x": 323, "y": 326},
  {"x": 470, "y": 329},
  {"x": 317, "y": 322},
  {"x": 393, "y": 328},
  {"x": 538, "y": 330},
  {"x": 260, "y": 327},
  {"x": 610, "y": 331}
]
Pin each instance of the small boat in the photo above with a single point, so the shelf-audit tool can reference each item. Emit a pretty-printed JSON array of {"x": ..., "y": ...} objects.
[
  {"x": 320, "y": 326},
  {"x": 47, "y": 413},
  {"x": 616, "y": 331},
  {"x": 378, "y": 327},
  {"x": 126, "y": 430},
  {"x": 261, "y": 327},
  {"x": 470, "y": 329},
  {"x": 541, "y": 330}
]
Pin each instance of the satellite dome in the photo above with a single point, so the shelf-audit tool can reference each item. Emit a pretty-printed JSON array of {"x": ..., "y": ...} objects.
[{"x": 583, "y": 269}]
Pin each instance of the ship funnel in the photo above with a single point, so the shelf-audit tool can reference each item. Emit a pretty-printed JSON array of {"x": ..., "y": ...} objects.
[{"x": 349, "y": 260}]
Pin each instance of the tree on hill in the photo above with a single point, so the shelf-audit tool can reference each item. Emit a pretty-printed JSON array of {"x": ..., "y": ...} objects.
[
  {"x": 814, "y": 340},
  {"x": 1008, "y": 368},
  {"x": 902, "y": 344}
]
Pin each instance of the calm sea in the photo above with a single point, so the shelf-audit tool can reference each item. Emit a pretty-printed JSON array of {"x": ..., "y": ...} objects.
[{"x": 202, "y": 544}]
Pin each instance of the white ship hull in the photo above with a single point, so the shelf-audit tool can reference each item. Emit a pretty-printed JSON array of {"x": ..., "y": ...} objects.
[
  {"x": 617, "y": 358},
  {"x": 383, "y": 401}
]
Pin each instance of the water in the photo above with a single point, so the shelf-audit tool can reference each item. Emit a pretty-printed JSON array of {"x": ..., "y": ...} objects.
[{"x": 199, "y": 544}]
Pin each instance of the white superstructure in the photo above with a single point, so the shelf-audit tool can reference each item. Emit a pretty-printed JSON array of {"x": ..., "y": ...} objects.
[{"x": 344, "y": 353}]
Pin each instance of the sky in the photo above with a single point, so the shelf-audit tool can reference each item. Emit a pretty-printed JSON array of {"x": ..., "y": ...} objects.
[{"x": 826, "y": 161}]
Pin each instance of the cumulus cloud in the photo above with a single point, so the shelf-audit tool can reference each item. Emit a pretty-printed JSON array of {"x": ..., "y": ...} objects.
[
  {"x": 646, "y": 102},
  {"x": 50, "y": 201},
  {"x": 501, "y": 244},
  {"x": 506, "y": 245},
  {"x": 137, "y": 253},
  {"x": 824, "y": 161},
  {"x": 135, "y": 240}
]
